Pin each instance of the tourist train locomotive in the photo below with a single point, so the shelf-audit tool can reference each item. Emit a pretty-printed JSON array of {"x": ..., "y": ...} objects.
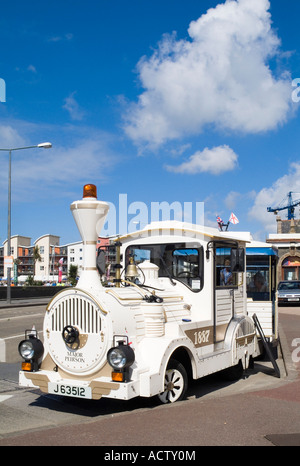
[{"x": 177, "y": 310}]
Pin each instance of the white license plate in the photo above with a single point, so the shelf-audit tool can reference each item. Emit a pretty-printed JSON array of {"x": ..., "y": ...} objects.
[
  {"x": 293, "y": 299},
  {"x": 69, "y": 390}
]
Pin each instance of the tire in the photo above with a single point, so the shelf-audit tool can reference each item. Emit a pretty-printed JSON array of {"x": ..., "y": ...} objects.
[{"x": 176, "y": 383}]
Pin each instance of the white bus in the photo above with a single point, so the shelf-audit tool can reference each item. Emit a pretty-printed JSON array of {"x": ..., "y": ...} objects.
[{"x": 177, "y": 310}]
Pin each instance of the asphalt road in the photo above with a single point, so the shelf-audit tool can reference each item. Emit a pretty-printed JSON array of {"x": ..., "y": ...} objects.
[
  {"x": 258, "y": 410},
  {"x": 14, "y": 320}
]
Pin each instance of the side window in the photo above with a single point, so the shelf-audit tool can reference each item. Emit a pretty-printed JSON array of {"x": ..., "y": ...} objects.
[
  {"x": 186, "y": 267},
  {"x": 224, "y": 275}
]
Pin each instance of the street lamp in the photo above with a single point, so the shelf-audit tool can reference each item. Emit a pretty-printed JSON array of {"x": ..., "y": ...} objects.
[{"x": 44, "y": 145}]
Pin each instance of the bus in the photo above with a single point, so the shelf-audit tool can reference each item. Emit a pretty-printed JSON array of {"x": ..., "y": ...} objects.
[{"x": 261, "y": 278}]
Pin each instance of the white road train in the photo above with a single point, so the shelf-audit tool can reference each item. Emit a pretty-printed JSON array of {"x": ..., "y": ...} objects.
[{"x": 184, "y": 316}]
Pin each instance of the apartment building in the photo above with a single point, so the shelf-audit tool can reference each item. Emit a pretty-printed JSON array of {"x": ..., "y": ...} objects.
[
  {"x": 47, "y": 268},
  {"x": 75, "y": 255},
  {"x": 50, "y": 265},
  {"x": 52, "y": 262},
  {"x": 22, "y": 253}
]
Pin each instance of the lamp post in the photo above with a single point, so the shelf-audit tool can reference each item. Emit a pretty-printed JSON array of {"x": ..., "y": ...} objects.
[{"x": 44, "y": 145}]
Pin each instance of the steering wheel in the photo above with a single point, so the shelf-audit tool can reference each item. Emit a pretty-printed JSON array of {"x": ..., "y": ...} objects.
[
  {"x": 70, "y": 334},
  {"x": 186, "y": 274}
]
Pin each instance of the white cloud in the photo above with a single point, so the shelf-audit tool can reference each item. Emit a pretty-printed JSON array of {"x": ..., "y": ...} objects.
[
  {"x": 73, "y": 108},
  {"x": 220, "y": 76},
  {"x": 10, "y": 137},
  {"x": 58, "y": 168},
  {"x": 275, "y": 196},
  {"x": 215, "y": 161},
  {"x": 54, "y": 172},
  {"x": 68, "y": 36},
  {"x": 31, "y": 68},
  {"x": 232, "y": 199}
]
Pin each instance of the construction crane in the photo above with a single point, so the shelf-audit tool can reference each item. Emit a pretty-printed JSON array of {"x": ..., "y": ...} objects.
[{"x": 290, "y": 206}]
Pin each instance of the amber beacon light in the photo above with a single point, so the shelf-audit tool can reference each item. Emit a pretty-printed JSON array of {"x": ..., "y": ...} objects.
[{"x": 90, "y": 190}]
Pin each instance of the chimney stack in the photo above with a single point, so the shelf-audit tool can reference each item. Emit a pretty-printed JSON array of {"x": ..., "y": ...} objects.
[{"x": 89, "y": 215}]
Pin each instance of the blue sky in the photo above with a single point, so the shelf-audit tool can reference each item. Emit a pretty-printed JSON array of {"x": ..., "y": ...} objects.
[{"x": 170, "y": 100}]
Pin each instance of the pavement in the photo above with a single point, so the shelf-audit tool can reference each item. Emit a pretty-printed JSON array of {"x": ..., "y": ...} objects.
[{"x": 261, "y": 411}]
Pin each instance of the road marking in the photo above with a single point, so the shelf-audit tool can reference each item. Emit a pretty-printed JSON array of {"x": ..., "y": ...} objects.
[
  {"x": 21, "y": 317},
  {"x": 22, "y": 335},
  {"x": 5, "y": 397},
  {"x": 15, "y": 336},
  {"x": 3, "y": 344},
  {"x": 2, "y": 350}
]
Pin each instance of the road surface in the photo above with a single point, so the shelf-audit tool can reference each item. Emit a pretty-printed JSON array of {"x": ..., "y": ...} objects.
[{"x": 258, "y": 410}]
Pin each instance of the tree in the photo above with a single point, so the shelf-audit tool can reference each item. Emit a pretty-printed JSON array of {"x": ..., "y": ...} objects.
[
  {"x": 72, "y": 275},
  {"x": 36, "y": 254},
  {"x": 36, "y": 257}
]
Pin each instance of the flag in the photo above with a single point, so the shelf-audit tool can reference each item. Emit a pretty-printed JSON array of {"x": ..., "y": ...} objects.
[
  {"x": 233, "y": 219},
  {"x": 61, "y": 261},
  {"x": 222, "y": 224}
]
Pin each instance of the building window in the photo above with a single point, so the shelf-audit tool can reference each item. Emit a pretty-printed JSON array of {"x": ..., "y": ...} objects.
[{"x": 290, "y": 268}]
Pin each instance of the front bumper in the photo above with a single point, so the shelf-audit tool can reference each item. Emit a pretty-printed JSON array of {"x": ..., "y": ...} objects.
[
  {"x": 288, "y": 299},
  {"x": 51, "y": 382}
]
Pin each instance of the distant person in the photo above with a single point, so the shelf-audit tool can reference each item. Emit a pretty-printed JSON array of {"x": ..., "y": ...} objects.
[
  {"x": 226, "y": 274},
  {"x": 258, "y": 283}
]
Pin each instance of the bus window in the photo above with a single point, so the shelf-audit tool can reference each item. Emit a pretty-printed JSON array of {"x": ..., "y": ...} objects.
[
  {"x": 261, "y": 274},
  {"x": 258, "y": 281}
]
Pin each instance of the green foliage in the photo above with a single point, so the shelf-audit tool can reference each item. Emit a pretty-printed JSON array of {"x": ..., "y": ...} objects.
[{"x": 72, "y": 275}]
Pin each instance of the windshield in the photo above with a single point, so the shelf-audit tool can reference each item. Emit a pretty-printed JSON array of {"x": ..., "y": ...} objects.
[
  {"x": 182, "y": 261},
  {"x": 289, "y": 286}
]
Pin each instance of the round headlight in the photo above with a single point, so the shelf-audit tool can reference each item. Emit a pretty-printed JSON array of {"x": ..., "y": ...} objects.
[
  {"x": 120, "y": 357},
  {"x": 26, "y": 349},
  {"x": 116, "y": 358},
  {"x": 31, "y": 348}
]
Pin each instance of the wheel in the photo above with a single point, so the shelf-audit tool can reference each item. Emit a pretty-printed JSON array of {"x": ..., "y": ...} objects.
[{"x": 176, "y": 382}]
